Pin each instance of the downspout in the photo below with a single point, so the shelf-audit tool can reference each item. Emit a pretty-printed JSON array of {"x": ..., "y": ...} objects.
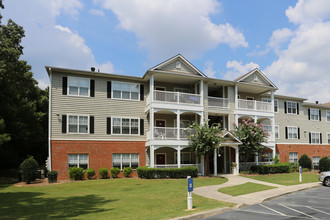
[{"x": 49, "y": 120}]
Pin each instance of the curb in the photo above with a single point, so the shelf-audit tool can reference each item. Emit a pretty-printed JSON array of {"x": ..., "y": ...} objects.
[{"x": 209, "y": 213}]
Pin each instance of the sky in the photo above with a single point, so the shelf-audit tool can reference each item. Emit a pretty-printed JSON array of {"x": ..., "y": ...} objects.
[{"x": 289, "y": 40}]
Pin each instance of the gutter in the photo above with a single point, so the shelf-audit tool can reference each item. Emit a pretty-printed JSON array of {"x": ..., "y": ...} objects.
[{"x": 50, "y": 121}]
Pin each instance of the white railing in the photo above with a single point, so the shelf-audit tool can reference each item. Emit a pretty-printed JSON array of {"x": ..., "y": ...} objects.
[
  {"x": 255, "y": 105},
  {"x": 218, "y": 102},
  {"x": 165, "y": 133},
  {"x": 177, "y": 97},
  {"x": 148, "y": 99},
  {"x": 184, "y": 133}
]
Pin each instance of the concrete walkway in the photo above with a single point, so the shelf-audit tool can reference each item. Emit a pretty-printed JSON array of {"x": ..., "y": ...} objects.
[{"x": 252, "y": 198}]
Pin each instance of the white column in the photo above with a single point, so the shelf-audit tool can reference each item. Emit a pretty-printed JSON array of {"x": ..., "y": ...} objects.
[
  {"x": 152, "y": 156},
  {"x": 236, "y": 119},
  {"x": 256, "y": 158},
  {"x": 179, "y": 156},
  {"x": 273, "y": 130},
  {"x": 237, "y": 159},
  {"x": 202, "y": 92},
  {"x": 272, "y": 96},
  {"x": 236, "y": 95},
  {"x": 224, "y": 123},
  {"x": 203, "y": 165},
  {"x": 152, "y": 83},
  {"x": 274, "y": 150},
  {"x": 151, "y": 127},
  {"x": 202, "y": 118},
  {"x": 215, "y": 162},
  {"x": 255, "y": 119},
  {"x": 178, "y": 124},
  {"x": 225, "y": 159}
]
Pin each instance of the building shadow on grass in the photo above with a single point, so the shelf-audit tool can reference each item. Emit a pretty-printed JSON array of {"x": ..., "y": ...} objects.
[{"x": 31, "y": 205}]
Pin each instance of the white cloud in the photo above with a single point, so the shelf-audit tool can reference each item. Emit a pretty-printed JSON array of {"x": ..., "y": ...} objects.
[
  {"x": 208, "y": 70},
  {"x": 237, "y": 69},
  {"x": 96, "y": 12},
  {"x": 48, "y": 43},
  {"x": 279, "y": 37},
  {"x": 168, "y": 27}
]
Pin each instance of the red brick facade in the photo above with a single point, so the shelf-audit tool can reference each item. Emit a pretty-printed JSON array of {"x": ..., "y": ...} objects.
[
  {"x": 99, "y": 153},
  {"x": 309, "y": 149}
]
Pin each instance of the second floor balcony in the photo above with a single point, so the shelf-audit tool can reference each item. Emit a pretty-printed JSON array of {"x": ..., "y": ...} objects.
[
  {"x": 218, "y": 102},
  {"x": 255, "y": 105},
  {"x": 175, "y": 98},
  {"x": 168, "y": 133}
]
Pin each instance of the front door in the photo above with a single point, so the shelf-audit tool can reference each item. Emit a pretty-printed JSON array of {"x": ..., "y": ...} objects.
[{"x": 160, "y": 158}]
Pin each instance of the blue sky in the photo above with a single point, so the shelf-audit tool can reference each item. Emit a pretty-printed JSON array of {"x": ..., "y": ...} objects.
[{"x": 289, "y": 40}]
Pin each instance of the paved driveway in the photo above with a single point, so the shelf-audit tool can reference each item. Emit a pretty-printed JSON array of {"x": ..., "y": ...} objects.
[{"x": 308, "y": 204}]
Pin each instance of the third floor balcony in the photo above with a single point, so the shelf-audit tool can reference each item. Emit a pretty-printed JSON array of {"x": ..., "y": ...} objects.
[{"x": 254, "y": 105}]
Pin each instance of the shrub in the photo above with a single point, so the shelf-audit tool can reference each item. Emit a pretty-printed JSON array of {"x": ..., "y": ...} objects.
[
  {"x": 305, "y": 170},
  {"x": 103, "y": 173},
  {"x": 276, "y": 159},
  {"x": 29, "y": 170},
  {"x": 156, "y": 173},
  {"x": 293, "y": 167},
  {"x": 274, "y": 168},
  {"x": 324, "y": 164},
  {"x": 115, "y": 172},
  {"x": 305, "y": 161},
  {"x": 76, "y": 173},
  {"x": 52, "y": 176},
  {"x": 127, "y": 171},
  {"x": 90, "y": 173}
]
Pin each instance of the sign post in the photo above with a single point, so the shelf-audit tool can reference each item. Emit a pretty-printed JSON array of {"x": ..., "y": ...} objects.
[
  {"x": 190, "y": 189},
  {"x": 300, "y": 172}
]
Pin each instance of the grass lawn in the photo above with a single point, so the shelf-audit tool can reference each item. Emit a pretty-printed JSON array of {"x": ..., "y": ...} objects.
[
  {"x": 287, "y": 179},
  {"x": 105, "y": 199},
  {"x": 245, "y": 188}
]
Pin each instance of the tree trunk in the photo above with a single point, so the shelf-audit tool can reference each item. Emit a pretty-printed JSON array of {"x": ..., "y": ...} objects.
[{"x": 207, "y": 164}]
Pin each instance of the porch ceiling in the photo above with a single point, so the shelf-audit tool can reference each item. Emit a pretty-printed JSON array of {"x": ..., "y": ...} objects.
[
  {"x": 254, "y": 89},
  {"x": 175, "y": 78}
]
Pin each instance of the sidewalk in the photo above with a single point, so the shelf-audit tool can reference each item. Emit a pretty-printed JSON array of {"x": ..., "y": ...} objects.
[{"x": 252, "y": 198}]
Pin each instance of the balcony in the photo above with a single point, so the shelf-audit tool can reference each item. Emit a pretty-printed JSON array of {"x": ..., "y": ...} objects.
[
  {"x": 255, "y": 105},
  {"x": 168, "y": 133},
  {"x": 218, "y": 102},
  {"x": 175, "y": 98}
]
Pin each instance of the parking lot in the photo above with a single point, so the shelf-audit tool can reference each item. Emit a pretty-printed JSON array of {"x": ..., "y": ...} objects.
[{"x": 308, "y": 204}]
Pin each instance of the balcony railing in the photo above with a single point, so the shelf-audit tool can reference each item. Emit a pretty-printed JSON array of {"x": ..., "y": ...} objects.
[
  {"x": 177, "y": 97},
  {"x": 218, "y": 102},
  {"x": 168, "y": 133},
  {"x": 255, "y": 105}
]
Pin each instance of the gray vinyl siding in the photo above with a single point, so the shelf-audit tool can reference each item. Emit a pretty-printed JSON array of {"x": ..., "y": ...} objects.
[
  {"x": 99, "y": 106},
  {"x": 184, "y": 69}
]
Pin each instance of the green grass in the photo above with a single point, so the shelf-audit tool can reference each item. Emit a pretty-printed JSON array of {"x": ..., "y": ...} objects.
[
  {"x": 105, "y": 199},
  {"x": 243, "y": 189},
  {"x": 287, "y": 179}
]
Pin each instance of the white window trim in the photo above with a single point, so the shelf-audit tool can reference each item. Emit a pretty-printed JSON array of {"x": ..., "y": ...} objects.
[
  {"x": 121, "y": 82},
  {"x": 287, "y": 108},
  {"x": 79, "y": 78},
  {"x": 318, "y": 114},
  {"x": 278, "y": 132},
  {"x": 312, "y": 132},
  {"x": 328, "y": 138},
  {"x": 78, "y": 115},
  {"x": 268, "y": 100},
  {"x": 326, "y": 115},
  {"x": 318, "y": 162},
  {"x": 289, "y": 135},
  {"x": 276, "y": 100},
  {"x": 121, "y": 159},
  {"x": 293, "y": 158},
  {"x": 78, "y": 159},
  {"x": 121, "y": 117}
]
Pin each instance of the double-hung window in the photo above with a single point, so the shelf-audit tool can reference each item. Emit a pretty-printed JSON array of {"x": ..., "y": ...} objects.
[
  {"x": 125, "y": 160},
  {"x": 328, "y": 138},
  {"x": 78, "y": 124},
  {"x": 78, "y": 86},
  {"x": 124, "y": 90},
  {"x": 316, "y": 161},
  {"x": 314, "y": 114},
  {"x": 125, "y": 126},
  {"x": 78, "y": 160},
  {"x": 291, "y": 107},
  {"x": 292, "y": 132},
  {"x": 328, "y": 116},
  {"x": 293, "y": 157},
  {"x": 275, "y": 105},
  {"x": 315, "y": 138},
  {"x": 277, "y": 134}
]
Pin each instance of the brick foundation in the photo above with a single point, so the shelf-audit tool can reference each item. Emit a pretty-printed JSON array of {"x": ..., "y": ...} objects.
[
  {"x": 309, "y": 149},
  {"x": 99, "y": 153}
]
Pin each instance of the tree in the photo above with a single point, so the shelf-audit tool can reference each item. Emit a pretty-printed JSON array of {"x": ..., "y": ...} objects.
[
  {"x": 251, "y": 135},
  {"x": 305, "y": 162},
  {"x": 203, "y": 139},
  {"x": 24, "y": 105},
  {"x": 29, "y": 169},
  {"x": 3, "y": 137}
]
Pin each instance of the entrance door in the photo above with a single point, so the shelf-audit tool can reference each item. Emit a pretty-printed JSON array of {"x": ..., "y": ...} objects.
[{"x": 160, "y": 158}]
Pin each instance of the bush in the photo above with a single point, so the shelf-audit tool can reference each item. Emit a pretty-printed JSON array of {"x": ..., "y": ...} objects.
[
  {"x": 156, "y": 173},
  {"x": 274, "y": 168},
  {"x": 29, "y": 170},
  {"x": 76, "y": 173},
  {"x": 127, "y": 171},
  {"x": 90, "y": 173},
  {"x": 115, "y": 171},
  {"x": 52, "y": 176},
  {"x": 103, "y": 173},
  {"x": 293, "y": 167},
  {"x": 324, "y": 164},
  {"x": 305, "y": 161}
]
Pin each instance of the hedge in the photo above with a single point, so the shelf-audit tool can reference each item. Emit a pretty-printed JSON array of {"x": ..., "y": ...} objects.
[
  {"x": 324, "y": 164},
  {"x": 115, "y": 171},
  {"x": 52, "y": 176},
  {"x": 159, "y": 173},
  {"x": 76, "y": 173},
  {"x": 274, "y": 168}
]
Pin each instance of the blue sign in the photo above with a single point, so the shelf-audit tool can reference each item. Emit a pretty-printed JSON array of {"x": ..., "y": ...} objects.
[
  {"x": 300, "y": 169},
  {"x": 190, "y": 185}
]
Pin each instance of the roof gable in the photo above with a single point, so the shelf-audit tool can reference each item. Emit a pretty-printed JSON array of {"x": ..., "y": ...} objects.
[
  {"x": 255, "y": 77},
  {"x": 178, "y": 64},
  {"x": 230, "y": 138}
]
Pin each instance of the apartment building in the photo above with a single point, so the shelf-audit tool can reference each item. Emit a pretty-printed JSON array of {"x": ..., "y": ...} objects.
[{"x": 106, "y": 120}]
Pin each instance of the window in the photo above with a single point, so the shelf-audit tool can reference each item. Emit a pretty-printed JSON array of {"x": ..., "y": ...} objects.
[
  {"x": 293, "y": 157},
  {"x": 328, "y": 115},
  {"x": 268, "y": 128},
  {"x": 78, "y": 124},
  {"x": 316, "y": 161},
  {"x": 78, "y": 160},
  {"x": 314, "y": 114},
  {"x": 125, "y": 160},
  {"x": 291, "y": 107},
  {"x": 123, "y": 90},
  {"x": 185, "y": 158},
  {"x": 78, "y": 86},
  {"x": 292, "y": 132},
  {"x": 315, "y": 138},
  {"x": 125, "y": 126},
  {"x": 277, "y": 134},
  {"x": 276, "y": 105},
  {"x": 328, "y": 137}
]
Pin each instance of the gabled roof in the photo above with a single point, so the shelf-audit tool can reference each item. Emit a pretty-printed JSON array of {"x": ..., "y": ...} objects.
[
  {"x": 180, "y": 58},
  {"x": 230, "y": 138},
  {"x": 246, "y": 78}
]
